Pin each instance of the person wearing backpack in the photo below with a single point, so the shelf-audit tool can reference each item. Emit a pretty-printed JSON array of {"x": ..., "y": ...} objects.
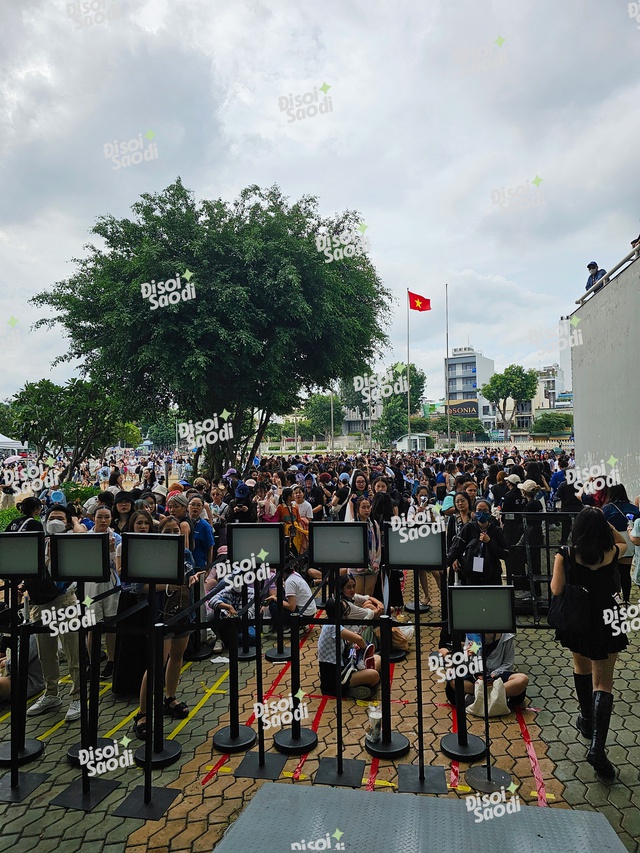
[{"x": 476, "y": 552}]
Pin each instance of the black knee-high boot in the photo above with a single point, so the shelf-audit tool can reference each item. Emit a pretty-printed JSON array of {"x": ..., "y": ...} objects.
[
  {"x": 584, "y": 690},
  {"x": 601, "y": 715}
]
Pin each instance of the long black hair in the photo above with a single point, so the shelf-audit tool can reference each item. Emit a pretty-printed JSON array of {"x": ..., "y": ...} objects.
[{"x": 591, "y": 535}]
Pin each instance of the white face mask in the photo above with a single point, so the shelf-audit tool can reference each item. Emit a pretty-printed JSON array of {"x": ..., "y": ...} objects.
[{"x": 55, "y": 526}]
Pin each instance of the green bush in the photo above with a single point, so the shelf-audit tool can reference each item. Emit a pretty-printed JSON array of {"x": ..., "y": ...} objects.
[
  {"x": 72, "y": 492},
  {"x": 6, "y": 517}
]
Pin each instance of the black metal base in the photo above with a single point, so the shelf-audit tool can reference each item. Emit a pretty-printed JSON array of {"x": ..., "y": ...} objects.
[
  {"x": 250, "y": 654},
  {"x": 274, "y": 656},
  {"x": 434, "y": 781},
  {"x": 32, "y": 749},
  {"x": 73, "y": 753},
  {"x": 397, "y": 747},
  {"x": 476, "y": 778},
  {"x": 27, "y": 783},
  {"x": 73, "y": 797},
  {"x": 285, "y": 742},
  {"x": 411, "y": 607},
  {"x": 204, "y": 653},
  {"x": 250, "y": 768},
  {"x": 170, "y": 752},
  {"x": 223, "y": 741},
  {"x": 474, "y": 749},
  {"x": 135, "y": 806},
  {"x": 396, "y": 655},
  {"x": 351, "y": 776}
]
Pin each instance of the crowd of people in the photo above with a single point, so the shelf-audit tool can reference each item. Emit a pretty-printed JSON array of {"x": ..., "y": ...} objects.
[{"x": 482, "y": 496}]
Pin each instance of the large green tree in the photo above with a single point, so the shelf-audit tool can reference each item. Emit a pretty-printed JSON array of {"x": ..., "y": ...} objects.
[
  {"x": 78, "y": 419},
  {"x": 514, "y": 383},
  {"x": 552, "y": 423},
  {"x": 393, "y": 421},
  {"x": 318, "y": 410},
  {"x": 270, "y": 319}
]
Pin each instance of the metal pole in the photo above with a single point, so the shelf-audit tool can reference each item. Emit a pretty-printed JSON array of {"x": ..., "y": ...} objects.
[
  {"x": 331, "y": 393},
  {"x": 446, "y": 398},
  {"x": 408, "y": 383}
]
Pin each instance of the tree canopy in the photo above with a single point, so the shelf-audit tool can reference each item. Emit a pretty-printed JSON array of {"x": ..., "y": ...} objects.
[
  {"x": 318, "y": 410},
  {"x": 516, "y": 383},
  {"x": 552, "y": 423},
  {"x": 269, "y": 319},
  {"x": 394, "y": 422}
]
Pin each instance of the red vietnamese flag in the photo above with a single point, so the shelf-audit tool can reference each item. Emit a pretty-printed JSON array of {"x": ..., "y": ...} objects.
[{"x": 418, "y": 303}]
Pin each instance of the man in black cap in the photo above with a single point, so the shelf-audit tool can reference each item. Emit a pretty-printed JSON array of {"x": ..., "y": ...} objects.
[{"x": 594, "y": 275}]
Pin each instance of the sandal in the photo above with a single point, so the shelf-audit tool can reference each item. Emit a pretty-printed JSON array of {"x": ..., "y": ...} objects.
[
  {"x": 175, "y": 709},
  {"x": 140, "y": 726}
]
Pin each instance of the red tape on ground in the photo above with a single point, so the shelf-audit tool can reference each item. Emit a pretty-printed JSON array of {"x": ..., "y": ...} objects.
[
  {"x": 533, "y": 758},
  {"x": 314, "y": 726}
]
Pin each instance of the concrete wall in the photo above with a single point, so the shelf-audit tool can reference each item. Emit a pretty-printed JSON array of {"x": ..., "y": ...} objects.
[{"x": 606, "y": 378}]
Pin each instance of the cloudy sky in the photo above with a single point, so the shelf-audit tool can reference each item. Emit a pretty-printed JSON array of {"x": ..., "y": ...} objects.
[{"x": 439, "y": 110}]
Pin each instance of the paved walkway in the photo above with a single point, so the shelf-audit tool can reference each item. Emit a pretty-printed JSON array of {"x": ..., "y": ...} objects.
[{"x": 539, "y": 747}]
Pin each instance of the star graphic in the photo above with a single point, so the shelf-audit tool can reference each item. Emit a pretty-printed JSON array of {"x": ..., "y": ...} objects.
[
  {"x": 299, "y": 695},
  {"x": 125, "y": 741},
  {"x": 474, "y": 647},
  {"x": 12, "y": 321},
  {"x": 500, "y": 41},
  {"x": 149, "y": 134},
  {"x": 513, "y": 788},
  {"x": 574, "y": 321},
  {"x": 325, "y": 87},
  {"x": 337, "y": 835},
  {"x": 224, "y": 414},
  {"x": 612, "y": 461},
  {"x": 399, "y": 367},
  {"x": 88, "y": 601},
  {"x": 262, "y": 554},
  {"x": 537, "y": 181},
  {"x": 362, "y": 227},
  {"x": 187, "y": 274}
]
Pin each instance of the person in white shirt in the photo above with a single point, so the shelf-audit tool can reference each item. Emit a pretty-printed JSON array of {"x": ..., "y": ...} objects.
[
  {"x": 304, "y": 507},
  {"x": 298, "y": 598}
]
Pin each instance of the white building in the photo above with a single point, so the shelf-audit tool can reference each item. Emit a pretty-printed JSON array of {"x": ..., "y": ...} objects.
[{"x": 466, "y": 371}]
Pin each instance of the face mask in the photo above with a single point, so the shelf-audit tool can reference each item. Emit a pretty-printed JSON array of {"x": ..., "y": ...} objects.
[
  {"x": 55, "y": 526},
  {"x": 482, "y": 517}
]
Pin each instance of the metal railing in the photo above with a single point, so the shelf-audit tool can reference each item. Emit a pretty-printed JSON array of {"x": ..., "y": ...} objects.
[{"x": 633, "y": 255}]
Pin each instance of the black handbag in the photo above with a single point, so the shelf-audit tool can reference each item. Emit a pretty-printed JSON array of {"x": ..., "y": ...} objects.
[{"x": 570, "y": 612}]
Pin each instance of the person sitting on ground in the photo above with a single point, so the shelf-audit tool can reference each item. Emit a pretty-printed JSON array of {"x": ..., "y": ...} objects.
[
  {"x": 356, "y": 683},
  {"x": 500, "y": 651},
  {"x": 298, "y": 598}
]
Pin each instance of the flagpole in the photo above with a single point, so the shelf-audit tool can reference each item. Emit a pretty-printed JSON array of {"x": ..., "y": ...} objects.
[
  {"x": 408, "y": 383},
  {"x": 446, "y": 390}
]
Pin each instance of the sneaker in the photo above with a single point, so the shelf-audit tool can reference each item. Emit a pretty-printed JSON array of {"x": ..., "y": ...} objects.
[
  {"x": 74, "y": 711},
  {"x": 107, "y": 672},
  {"x": 218, "y": 646},
  {"x": 360, "y": 692},
  {"x": 44, "y": 705}
]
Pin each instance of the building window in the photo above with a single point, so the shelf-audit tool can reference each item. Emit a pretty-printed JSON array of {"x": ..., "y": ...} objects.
[{"x": 486, "y": 411}]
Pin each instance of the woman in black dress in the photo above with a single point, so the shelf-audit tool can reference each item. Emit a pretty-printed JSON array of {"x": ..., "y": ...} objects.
[{"x": 593, "y": 565}]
